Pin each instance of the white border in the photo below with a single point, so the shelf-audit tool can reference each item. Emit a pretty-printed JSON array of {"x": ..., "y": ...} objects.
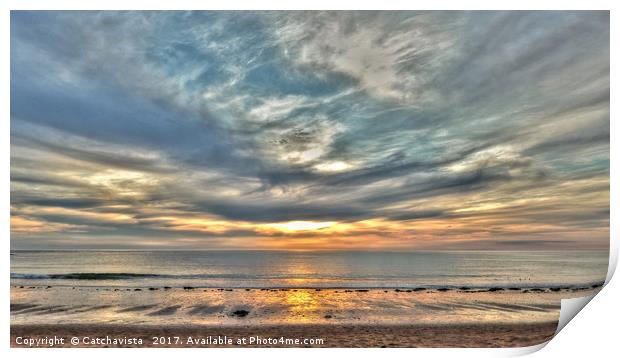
[{"x": 592, "y": 333}]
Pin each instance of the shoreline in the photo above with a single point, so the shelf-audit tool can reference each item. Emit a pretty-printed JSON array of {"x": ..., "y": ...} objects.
[
  {"x": 433, "y": 288},
  {"x": 333, "y": 335}
]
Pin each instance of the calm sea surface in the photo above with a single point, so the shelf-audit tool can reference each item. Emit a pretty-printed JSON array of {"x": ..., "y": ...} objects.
[{"x": 269, "y": 269}]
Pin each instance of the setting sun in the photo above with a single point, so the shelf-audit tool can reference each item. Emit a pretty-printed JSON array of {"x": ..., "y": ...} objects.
[{"x": 303, "y": 225}]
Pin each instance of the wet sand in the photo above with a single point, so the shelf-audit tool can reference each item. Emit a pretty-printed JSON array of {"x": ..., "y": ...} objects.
[
  {"x": 454, "y": 335},
  {"x": 271, "y": 307},
  {"x": 464, "y": 317}
]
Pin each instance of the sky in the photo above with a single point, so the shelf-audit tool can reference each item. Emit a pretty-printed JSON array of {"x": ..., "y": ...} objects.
[{"x": 310, "y": 130}]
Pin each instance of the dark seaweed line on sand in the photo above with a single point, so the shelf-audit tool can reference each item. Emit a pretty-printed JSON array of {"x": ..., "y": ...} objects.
[{"x": 344, "y": 288}]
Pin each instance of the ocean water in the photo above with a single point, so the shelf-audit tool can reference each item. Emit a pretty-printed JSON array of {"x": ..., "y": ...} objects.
[{"x": 278, "y": 269}]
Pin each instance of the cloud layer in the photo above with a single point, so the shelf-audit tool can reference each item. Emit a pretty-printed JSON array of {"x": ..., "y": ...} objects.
[{"x": 310, "y": 130}]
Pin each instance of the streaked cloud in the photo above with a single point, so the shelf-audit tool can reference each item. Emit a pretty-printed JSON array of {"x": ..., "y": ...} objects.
[{"x": 310, "y": 130}]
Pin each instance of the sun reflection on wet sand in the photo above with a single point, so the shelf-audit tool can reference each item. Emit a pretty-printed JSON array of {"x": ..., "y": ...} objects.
[
  {"x": 276, "y": 306},
  {"x": 303, "y": 305}
]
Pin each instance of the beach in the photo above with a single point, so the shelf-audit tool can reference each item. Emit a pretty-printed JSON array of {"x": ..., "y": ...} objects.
[
  {"x": 464, "y": 335},
  {"x": 35, "y": 305},
  {"x": 494, "y": 317}
]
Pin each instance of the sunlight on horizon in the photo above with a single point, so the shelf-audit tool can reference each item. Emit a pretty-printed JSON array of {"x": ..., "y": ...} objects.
[{"x": 302, "y": 225}]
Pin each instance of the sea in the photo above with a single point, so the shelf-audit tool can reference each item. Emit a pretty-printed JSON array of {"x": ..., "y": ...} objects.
[{"x": 320, "y": 269}]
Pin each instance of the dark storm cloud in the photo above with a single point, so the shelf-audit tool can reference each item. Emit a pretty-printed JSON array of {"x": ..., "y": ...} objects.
[
  {"x": 82, "y": 203},
  {"x": 417, "y": 215},
  {"x": 270, "y": 212}
]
